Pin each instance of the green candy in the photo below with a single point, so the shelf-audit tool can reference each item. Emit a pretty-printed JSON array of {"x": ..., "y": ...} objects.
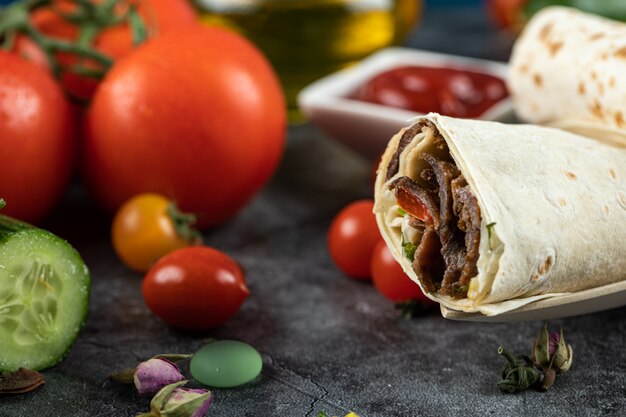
[{"x": 226, "y": 364}]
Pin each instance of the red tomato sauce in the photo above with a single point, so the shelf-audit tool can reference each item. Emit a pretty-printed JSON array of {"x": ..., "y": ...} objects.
[{"x": 449, "y": 91}]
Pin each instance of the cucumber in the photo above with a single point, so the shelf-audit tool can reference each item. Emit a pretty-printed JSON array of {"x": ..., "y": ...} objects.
[{"x": 44, "y": 296}]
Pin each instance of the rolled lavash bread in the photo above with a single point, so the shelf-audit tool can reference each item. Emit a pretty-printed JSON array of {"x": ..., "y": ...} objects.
[
  {"x": 488, "y": 217},
  {"x": 568, "y": 69}
]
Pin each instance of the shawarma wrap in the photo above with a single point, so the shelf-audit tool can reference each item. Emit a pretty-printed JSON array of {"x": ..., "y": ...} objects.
[
  {"x": 487, "y": 217},
  {"x": 568, "y": 69}
]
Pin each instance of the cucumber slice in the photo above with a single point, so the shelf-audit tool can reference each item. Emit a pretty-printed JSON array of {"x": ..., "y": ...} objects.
[{"x": 44, "y": 296}]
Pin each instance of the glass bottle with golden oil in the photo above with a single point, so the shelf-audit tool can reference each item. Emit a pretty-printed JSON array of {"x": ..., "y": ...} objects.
[{"x": 307, "y": 39}]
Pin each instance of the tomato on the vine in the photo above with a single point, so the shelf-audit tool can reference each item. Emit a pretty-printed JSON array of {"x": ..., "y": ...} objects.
[
  {"x": 36, "y": 139},
  {"x": 196, "y": 115},
  {"x": 352, "y": 236},
  {"x": 195, "y": 288},
  {"x": 158, "y": 16},
  {"x": 390, "y": 279},
  {"x": 149, "y": 226}
]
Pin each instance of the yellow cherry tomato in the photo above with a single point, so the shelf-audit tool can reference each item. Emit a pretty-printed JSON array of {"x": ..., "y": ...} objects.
[{"x": 149, "y": 226}]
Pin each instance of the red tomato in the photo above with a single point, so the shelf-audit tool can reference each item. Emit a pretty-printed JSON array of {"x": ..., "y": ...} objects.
[
  {"x": 159, "y": 16},
  {"x": 352, "y": 237},
  {"x": 412, "y": 205},
  {"x": 36, "y": 139},
  {"x": 197, "y": 116},
  {"x": 195, "y": 288},
  {"x": 390, "y": 279},
  {"x": 507, "y": 13}
]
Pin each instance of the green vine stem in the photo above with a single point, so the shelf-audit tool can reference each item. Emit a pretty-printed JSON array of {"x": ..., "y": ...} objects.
[{"x": 183, "y": 223}]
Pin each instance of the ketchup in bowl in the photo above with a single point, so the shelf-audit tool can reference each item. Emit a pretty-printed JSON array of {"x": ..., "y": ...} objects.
[{"x": 449, "y": 91}]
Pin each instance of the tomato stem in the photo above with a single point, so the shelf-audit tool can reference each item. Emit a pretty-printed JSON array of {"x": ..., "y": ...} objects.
[
  {"x": 183, "y": 223},
  {"x": 137, "y": 26},
  {"x": 9, "y": 41}
]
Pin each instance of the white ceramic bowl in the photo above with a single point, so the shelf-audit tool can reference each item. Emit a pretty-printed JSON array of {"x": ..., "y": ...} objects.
[{"x": 367, "y": 127}]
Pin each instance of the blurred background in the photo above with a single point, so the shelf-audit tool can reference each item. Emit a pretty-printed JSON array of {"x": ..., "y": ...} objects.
[{"x": 308, "y": 39}]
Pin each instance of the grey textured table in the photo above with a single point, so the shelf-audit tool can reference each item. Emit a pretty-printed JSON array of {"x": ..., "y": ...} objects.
[{"x": 328, "y": 343}]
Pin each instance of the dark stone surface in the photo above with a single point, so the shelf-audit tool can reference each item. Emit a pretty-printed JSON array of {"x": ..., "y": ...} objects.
[{"x": 328, "y": 343}]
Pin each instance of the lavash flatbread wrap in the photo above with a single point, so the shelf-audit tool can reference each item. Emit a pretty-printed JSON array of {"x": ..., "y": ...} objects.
[
  {"x": 488, "y": 217},
  {"x": 568, "y": 69}
]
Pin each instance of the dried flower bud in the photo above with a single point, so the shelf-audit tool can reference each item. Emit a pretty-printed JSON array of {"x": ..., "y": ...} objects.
[
  {"x": 551, "y": 351},
  {"x": 553, "y": 342},
  {"x": 551, "y": 354},
  {"x": 174, "y": 401},
  {"x": 152, "y": 375},
  {"x": 517, "y": 373},
  {"x": 563, "y": 356}
]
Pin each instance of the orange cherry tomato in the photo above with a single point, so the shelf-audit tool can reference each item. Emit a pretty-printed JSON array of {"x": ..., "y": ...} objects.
[
  {"x": 147, "y": 227},
  {"x": 390, "y": 279},
  {"x": 352, "y": 237}
]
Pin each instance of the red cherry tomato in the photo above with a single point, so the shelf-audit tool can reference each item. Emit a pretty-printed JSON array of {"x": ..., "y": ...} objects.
[
  {"x": 36, "y": 139},
  {"x": 195, "y": 288},
  {"x": 390, "y": 279},
  {"x": 197, "y": 115},
  {"x": 352, "y": 237}
]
